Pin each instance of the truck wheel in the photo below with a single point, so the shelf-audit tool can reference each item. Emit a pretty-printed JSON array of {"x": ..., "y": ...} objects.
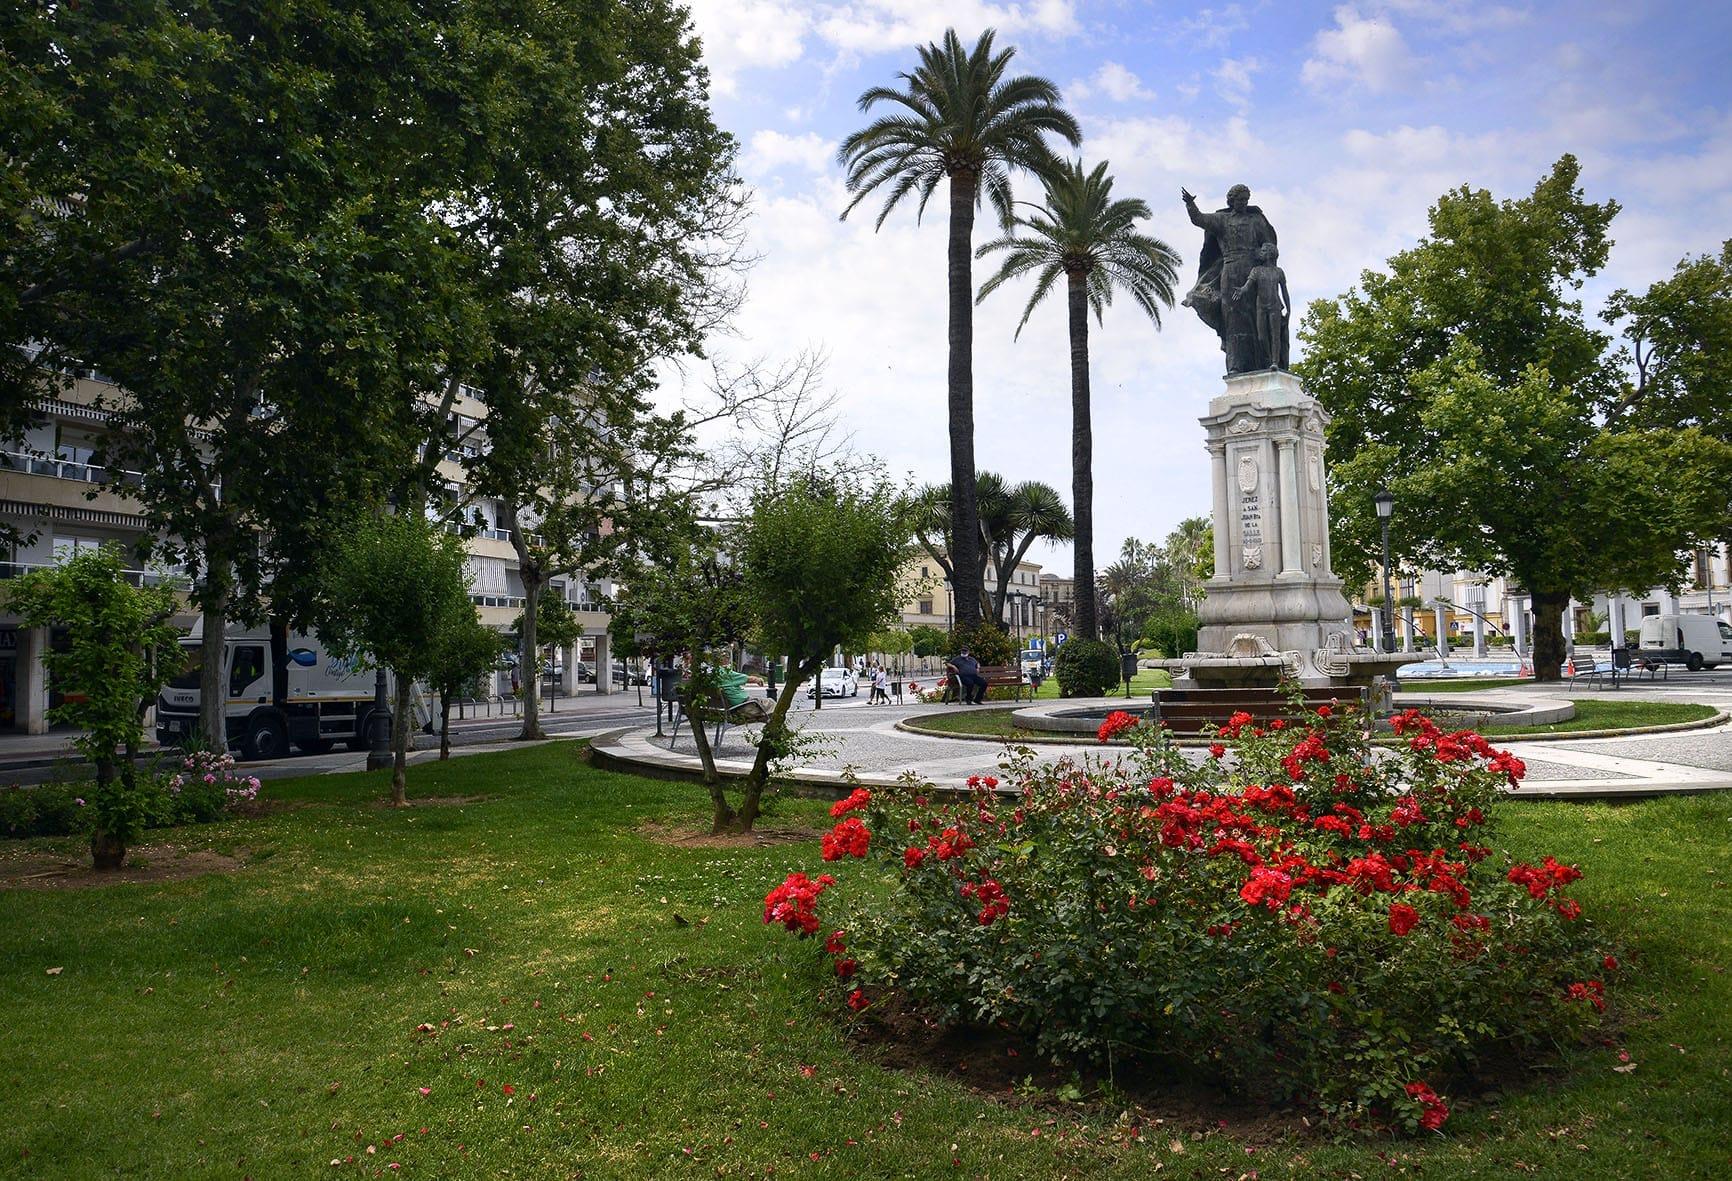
[
  {"x": 267, "y": 738},
  {"x": 363, "y": 739},
  {"x": 1694, "y": 664}
]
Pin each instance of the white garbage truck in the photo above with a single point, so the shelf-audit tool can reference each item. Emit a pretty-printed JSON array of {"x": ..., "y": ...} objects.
[{"x": 329, "y": 699}]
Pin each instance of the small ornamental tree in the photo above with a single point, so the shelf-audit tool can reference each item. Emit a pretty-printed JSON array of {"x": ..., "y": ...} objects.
[
  {"x": 1085, "y": 668},
  {"x": 467, "y": 650},
  {"x": 556, "y": 627},
  {"x": 821, "y": 563},
  {"x": 395, "y": 584},
  {"x": 1299, "y": 924},
  {"x": 120, "y": 649},
  {"x": 688, "y": 600}
]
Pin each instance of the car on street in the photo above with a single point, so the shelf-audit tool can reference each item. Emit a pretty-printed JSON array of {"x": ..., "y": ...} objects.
[
  {"x": 836, "y": 682},
  {"x": 623, "y": 676}
]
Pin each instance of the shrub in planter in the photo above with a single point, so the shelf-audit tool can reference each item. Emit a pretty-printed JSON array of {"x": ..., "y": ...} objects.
[
  {"x": 1301, "y": 924},
  {"x": 1086, "y": 668}
]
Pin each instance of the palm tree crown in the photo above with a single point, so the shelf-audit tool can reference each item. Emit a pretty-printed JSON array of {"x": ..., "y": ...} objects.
[
  {"x": 1084, "y": 231},
  {"x": 960, "y": 115}
]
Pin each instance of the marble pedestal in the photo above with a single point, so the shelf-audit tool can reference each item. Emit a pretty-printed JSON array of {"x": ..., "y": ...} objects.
[{"x": 1274, "y": 607}]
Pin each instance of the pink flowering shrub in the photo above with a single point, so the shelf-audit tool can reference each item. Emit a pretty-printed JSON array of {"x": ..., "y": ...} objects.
[
  {"x": 1306, "y": 922},
  {"x": 205, "y": 786}
]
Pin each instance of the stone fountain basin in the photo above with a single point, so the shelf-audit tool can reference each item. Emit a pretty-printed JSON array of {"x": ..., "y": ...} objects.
[{"x": 1467, "y": 711}]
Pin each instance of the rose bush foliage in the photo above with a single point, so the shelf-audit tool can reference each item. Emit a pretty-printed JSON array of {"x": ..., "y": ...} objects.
[{"x": 1305, "y": 921}]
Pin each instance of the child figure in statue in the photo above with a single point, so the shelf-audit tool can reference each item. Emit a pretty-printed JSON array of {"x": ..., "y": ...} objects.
[{"x": 1268, "y": 282}]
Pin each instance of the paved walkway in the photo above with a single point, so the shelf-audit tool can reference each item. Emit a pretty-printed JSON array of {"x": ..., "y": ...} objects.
[{"x": 865, "y": 740}]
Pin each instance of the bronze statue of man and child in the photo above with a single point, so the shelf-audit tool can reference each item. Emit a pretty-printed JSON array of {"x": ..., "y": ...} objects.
[{"x": 1240, "y": 292}]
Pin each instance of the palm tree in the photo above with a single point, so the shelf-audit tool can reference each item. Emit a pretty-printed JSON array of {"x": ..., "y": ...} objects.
[
  {"x": 1033, "y": 511},
  {"x": 1091, "y": 240},
  {"x": 962, "y": 117}
]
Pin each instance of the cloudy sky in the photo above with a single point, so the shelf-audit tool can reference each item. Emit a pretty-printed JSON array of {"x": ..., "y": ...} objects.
[{"x": 1347, "y": 121}]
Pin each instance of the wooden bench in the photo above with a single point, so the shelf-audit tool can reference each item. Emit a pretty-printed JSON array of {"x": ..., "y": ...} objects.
[
  {"x": 712, "y": 709},
  {"x": 997, "y": 676},
  {"x": 1189, "y": 711}
]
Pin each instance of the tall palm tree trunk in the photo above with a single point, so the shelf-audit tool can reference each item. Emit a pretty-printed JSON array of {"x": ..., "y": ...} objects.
[
  {"x": 964, "y": 512},
  {"x": 1082, "y": 451}
]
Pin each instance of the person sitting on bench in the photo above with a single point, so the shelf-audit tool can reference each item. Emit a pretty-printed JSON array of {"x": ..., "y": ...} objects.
[{"x": 968, "y": 676}]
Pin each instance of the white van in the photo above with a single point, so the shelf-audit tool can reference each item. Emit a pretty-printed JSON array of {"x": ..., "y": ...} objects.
[
  {"x": 1695, "y": 641},
  {"x": 329, "y": 700}
]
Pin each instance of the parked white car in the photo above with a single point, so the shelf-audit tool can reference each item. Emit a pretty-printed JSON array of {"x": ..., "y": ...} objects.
[{"x": 836, "y": 682}]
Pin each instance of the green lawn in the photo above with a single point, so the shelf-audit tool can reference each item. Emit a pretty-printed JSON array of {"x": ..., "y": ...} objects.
[{"x": 263, "y": 1023}]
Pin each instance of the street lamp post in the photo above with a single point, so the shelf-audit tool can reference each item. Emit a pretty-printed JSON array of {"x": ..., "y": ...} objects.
[{"x": 1385, "y": 502}]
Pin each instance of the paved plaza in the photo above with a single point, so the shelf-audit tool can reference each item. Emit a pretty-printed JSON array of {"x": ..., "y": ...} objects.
[{"x": 867, "y": 741}]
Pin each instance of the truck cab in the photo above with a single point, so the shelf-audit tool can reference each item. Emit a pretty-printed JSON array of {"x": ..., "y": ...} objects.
[{"x": 329, "y": 700}]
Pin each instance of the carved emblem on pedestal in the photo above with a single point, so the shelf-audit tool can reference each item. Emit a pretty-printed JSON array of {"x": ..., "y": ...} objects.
[
  {"x": 1253, "y": 557},
  {"x": 1316, "y": 554},
  {"x": 1314, "y": 472},
  {"x": 1242, "y": 425},
  {"x": 1248, "y": 473}
]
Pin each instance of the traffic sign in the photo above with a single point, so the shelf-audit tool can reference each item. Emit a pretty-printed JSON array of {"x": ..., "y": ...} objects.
[
  {"x": 1037, "y": 643},
  {"x": 1058, "y": 640}
]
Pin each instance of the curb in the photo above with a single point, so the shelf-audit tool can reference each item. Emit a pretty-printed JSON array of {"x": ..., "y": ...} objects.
[{"x": 1720, "y": 717}]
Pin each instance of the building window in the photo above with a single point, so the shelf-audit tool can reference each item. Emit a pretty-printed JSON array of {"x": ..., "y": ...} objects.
[
  {"x": 1704, "y": 569},
  {"x": 1650, "y": 609},
  {"x": 924, "y": 573},
  {"x": 926, "y": 606}
]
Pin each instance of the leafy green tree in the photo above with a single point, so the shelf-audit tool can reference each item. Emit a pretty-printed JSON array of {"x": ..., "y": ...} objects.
[
  {"x": 926, "y": 640},
  {"x": 397, "y": 589},
  {"x": 1677, "y": 348},
  {"x": 120, "y": 649},
  {"x": 790, "y": 552},
  {"x": 1466, "y": 381},
  {"x": 1033, "y": 511},
  {"x": 465, "y": 651},
  {"x": 894, "y": 642},
  {"x": 1090, "y": 239},
  {"x": 960, "y": 117},
  {"x": 685, "y": 597}
]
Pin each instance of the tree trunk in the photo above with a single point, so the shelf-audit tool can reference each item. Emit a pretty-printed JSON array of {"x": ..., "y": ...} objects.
[
  {"x": 106, "y": 853},
  {"x": 528, "y": 658},
  {"x": 964, "y": 512},
  {"x": 774, "y": 728},
  {"x": 1548, "y": 646},
  {"x": 444, "y": 726},
  {"x": 1082, "y": 475},
  {"x": 279, "y": 661},
  {"x": 722, "y": 814},
  {"x": 212, "y": 692},
  {"x": 400, "y": 743}
]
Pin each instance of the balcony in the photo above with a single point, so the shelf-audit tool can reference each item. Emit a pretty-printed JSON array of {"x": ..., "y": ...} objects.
[
  {"x": 73, "y": 470},
  {"x": 172, "y": 578}
]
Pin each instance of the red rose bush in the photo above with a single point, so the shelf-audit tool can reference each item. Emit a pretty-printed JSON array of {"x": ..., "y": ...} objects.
[{"x": 1307, "y": 921}]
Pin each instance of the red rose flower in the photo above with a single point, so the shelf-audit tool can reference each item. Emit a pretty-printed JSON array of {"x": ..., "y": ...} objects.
[
  {"x": 911, "y": 858},
  {"x": 1402, "y": 918},
  {"x": 857, "y": 799}
]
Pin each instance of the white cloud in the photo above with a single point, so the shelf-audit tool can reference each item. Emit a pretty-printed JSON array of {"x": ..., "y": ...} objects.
[
  {"x": 870, "y": 26},
  {"x": 1114, "y": 81},
  {"x": 770, "y": 150},
  {"x": 1233, "y": 80},
  {"x": 748, "y": 34},
  {"x": 1212, "y": 28},
  {"x": 1365, "y": 51}
]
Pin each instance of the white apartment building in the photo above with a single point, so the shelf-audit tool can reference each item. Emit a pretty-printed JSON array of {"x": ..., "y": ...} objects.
[{"x": 52, "y": 488}]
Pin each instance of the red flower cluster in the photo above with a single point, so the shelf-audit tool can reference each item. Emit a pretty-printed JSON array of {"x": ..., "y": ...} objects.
[
  {"x": 1267, "y": 887},
  {"x": 1434, "y": 1112},
  {"x": 1591, "y": 991},
  {"x": 1548, "y": 874},
  {"x": 1117, "y": 722},
  {"x": 849, "y": 838},
  {"x": 794, "y": 903},
  {"x": 950, "y": 843},
  {"x": 990, "y": 895},
  {"x": 857, "y": 799},
  {"x": 912, "y": 857},
  {"x": 1402, "y": 918}
]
